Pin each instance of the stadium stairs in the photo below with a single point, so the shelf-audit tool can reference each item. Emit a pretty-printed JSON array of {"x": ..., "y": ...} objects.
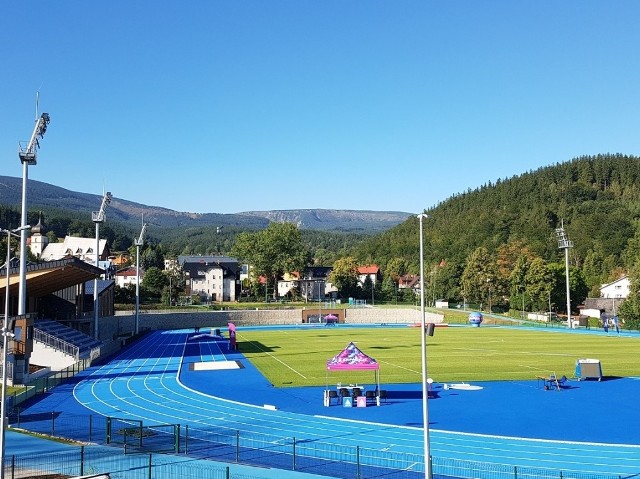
[{"x": 58, "y": 346}]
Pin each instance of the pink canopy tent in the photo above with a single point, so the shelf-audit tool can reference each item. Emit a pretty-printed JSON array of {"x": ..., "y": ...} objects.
[{"x": 352, "y": 359}]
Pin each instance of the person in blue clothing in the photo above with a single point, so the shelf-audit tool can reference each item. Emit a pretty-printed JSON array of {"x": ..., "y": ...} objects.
[
  {"x": 616, "y": 323},
  {"x": 605, "y": 322}
]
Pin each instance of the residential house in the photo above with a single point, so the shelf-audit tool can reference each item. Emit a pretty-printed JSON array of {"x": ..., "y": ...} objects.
[
  {"x": 371, "y": 271},
  {"x": 128, "y": 276},
  {"x": 311, "y": 284},
  {"x": 289, "y": 284},
  {"x": 213, "y": 278},
  {"x": 616, "y": 289},
  {"x": 611, "y": 295},
  {"x": 410, "y": 281}
]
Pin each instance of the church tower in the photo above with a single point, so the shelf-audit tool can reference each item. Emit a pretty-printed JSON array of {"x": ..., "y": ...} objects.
[{"x": 39, "y": 240}]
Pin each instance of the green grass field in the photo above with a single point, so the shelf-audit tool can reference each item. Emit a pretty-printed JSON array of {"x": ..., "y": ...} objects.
[{"x": 297, "y": 357}]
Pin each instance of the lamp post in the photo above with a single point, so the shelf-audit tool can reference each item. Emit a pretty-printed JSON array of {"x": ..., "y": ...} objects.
[
  {"x": 373, "y": 289},
  {"x": 27, "y": 157},
  {"x": 98, "y": 217},
  {"x": 319, "y": 301},
  {"x": 489, "y": 285},
  {"x": 138, "y": 242},
  {"x": 5, "y": 343},
  {"x": 523, "y": 303},
  {"x": 425, "y": 397},
  {"x": 565, "y": 243}
]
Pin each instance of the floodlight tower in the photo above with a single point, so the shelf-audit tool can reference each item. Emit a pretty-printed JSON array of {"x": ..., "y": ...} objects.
[
  {"x": 98, "y": 217},
  {"x": 564, "y": 243},
  {"x": 27, "y": 155},
  {"x": 139, "y": 242}
]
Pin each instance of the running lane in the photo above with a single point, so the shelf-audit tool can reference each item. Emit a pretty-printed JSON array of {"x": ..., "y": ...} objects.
[{"x": 143, "y": 383}]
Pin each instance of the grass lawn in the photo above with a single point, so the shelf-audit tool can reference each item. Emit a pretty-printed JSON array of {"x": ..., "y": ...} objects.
[{"x": 298, "y": 357}]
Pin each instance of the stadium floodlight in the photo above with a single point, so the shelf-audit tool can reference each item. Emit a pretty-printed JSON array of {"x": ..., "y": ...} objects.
[
  {"x": 564, "y": 243},
  {"x": 98, "y": 217},
  {"x": 6, "y": 333},
  {"x": 139, "y": 242},
  {"x": 425, "y": 393},
  {"x": 27, "y": 155}
]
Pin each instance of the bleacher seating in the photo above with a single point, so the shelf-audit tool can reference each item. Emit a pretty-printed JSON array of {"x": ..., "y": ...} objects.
[{"x": 85, "y": 344}]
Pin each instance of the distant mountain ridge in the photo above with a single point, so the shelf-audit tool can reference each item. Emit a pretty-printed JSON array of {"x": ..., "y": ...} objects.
[
  {"x": 47, "y": 196},
  {"x": 323, "y": 219}
]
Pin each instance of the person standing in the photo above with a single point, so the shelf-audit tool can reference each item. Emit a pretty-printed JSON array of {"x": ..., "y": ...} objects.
[
  {"x": 616, "y": 323},
  {"x": 605, "y": 322}
]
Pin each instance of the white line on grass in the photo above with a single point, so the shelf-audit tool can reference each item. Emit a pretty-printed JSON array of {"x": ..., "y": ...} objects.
[
  {"x": 277, "y": 359},
  {"x": 399, "y": 367}
]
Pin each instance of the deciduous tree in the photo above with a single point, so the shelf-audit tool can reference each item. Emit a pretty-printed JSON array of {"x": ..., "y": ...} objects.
[
  {"x": 344, "y": 276},
  {"x": 276, "y": 250}
]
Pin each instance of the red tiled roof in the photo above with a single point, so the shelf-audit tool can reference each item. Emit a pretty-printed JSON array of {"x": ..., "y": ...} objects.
[
  {"x": 131, "y": 271},
  {"x": 368, "y": 269}
]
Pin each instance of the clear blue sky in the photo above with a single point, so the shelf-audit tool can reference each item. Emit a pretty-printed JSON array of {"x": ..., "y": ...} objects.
[{"x": 218, "y": 106}]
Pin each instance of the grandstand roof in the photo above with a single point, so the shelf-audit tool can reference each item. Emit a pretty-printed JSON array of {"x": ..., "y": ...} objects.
[{"x": 50, "y": 276}]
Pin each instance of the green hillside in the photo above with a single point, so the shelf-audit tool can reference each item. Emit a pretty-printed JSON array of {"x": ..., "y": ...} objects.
[{"x": 596, "y": 198}]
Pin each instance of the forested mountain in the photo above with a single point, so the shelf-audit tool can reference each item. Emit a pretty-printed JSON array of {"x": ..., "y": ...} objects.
[
  {"x": 597, "y": 199},
  {"x": 327, "y": 233},
  {"x": 498, "y": 228},
  {"x": 46, "y": 197},
  {"x": 338, "y": 220}
]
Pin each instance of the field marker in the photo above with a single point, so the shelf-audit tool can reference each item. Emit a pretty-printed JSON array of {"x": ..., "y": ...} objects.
[{"x": 279, "y": 360}]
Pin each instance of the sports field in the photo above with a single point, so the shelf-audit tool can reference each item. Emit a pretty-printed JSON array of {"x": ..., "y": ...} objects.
[
  {"x": 588, "y": 427},
  {"x": 297, "y": 357}
]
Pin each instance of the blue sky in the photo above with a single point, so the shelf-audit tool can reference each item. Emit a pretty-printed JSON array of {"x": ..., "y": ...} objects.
[{"x": 225, "y": 106}]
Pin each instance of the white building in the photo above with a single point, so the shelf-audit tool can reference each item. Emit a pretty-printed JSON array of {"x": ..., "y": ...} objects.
[
  {"x": 611, "y": 297},
  {"x": 617, "y": 289},
  {"x": 128, "y": 276},
  {"x": 81, "y": 248},
  {"x": 213, "y": 278},
  {"x": 371, "y": 271}
]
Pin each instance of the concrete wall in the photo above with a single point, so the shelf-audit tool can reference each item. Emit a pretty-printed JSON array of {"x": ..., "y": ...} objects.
[
  {"x": 117, "y": 328},
  {"x": 52, "y": 358}
]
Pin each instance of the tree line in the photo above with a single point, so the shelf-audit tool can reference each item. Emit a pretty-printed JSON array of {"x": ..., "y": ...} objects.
[{"x": 495, "y": 243}]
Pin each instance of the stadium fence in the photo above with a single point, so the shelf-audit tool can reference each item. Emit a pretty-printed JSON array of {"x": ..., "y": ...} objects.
[{"x": 139, "y": 450}]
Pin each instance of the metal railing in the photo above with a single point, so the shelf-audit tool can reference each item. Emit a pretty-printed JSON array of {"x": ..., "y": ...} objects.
[
  {"x": 45, "y": 383},
  {"x": 56, "y": 343},
  {"x": 261, "y": 450},
  {"x": 99, "y": 461}
]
